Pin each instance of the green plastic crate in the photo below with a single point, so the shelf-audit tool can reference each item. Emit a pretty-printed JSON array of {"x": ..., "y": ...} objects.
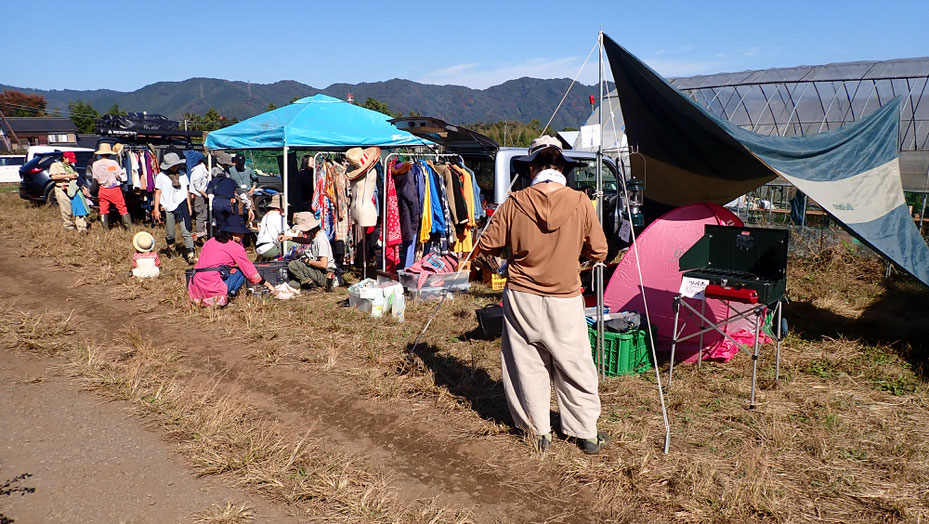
[{"x": 624, "y": 353}]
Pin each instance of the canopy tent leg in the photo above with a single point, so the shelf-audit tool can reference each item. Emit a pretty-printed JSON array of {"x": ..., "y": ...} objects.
[
  {"x": 286, "y": 201},
  {"x": 209, "y": 198}
]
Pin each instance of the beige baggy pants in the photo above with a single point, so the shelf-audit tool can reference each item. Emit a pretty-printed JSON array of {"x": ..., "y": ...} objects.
[
  {"x": 64, "y": 207},
  {"x": 545, "y": 340}
]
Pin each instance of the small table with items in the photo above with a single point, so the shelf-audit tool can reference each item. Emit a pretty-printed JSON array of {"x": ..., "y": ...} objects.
[{"x": 738, "y": 265}]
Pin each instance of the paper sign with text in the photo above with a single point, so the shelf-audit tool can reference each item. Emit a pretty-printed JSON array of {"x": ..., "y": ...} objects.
[
  {"x": 693, "y": 287},
  {"x": 625, "y": 230}
]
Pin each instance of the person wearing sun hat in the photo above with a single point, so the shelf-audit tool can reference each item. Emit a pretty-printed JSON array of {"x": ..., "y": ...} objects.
[
  {"x": 545, "y": 229},
  {"x": 145, "y": 261},
  {"x": 172, "y": 192},
  {"x": 108, "y": 173},
  {"x": 224, "y": 267},
  {"x": 62, "y": 172},
  {"x": 272, "y": 226},
  {"x": 316, "y": 266}
]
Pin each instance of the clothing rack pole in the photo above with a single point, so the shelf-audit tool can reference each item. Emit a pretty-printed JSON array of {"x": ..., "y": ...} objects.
[{"x": 436, "y": 156}]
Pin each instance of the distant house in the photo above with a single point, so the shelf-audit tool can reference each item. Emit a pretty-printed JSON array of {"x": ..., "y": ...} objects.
[{"x": 38, "y": 131}]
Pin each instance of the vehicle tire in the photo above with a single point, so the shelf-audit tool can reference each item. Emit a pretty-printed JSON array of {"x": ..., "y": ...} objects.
[
  {"x": 49, "y": 197},
  {"x": 261, "y": 204}
]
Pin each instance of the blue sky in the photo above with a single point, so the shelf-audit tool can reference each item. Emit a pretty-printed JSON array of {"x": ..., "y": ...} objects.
[{"x": 128, "y": 44}]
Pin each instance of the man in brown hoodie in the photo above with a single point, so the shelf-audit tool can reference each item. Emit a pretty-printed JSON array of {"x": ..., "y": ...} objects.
[{"x": 546, "y": 228}]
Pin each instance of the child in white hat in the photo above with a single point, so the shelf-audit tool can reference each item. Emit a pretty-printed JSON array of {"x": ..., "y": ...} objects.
[{"x": 145, "y": 261}]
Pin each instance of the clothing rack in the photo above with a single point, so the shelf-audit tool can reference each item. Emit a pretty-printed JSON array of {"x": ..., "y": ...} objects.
[
  {"x": 316, "y": 160},
  {"x": 386, "y": 161}
]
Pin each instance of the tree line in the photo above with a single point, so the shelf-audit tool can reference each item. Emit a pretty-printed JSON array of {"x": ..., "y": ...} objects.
[{"x": 85, "y": 115}]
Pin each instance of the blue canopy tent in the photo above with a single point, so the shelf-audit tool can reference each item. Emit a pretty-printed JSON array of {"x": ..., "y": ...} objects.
[{"x": 317, "y": 122}]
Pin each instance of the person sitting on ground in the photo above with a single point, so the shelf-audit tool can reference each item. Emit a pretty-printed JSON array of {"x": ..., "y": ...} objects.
[
  {"x": 62, "y": 172},
  {"x": 107, "y": 173},
  {"x": 224, "y": 267},
  {"x": 316, "y": 267},
  {"x": 145, "y": 261},
  {"x": 547, "y": 227},
  {"x": 272, "y": 226},
  {"x": 172, "y": 192}
]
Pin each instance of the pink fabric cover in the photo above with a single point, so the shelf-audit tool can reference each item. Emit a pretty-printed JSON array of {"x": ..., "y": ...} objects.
[
  {"x": 207, "y": 288},
  {"x": 660, "y": 246}
]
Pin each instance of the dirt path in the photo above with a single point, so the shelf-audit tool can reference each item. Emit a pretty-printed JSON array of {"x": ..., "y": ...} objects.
[
  {"x": 90, "y": 460},
  {"x": 413, "y": 447}
]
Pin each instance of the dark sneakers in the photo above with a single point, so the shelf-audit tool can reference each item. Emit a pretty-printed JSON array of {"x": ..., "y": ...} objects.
[
  {"x": 592, "y": 446},
  {"x": 544, "y": 442}
]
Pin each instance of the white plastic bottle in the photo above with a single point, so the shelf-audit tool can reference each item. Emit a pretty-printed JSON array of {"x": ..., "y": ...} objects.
[{"x": 398, "y": 307}]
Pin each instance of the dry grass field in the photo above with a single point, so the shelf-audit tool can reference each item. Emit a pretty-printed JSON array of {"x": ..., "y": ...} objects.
[{"x": 315, "y": 406}]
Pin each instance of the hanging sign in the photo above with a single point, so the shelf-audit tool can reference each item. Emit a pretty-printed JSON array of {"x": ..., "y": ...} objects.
[
  {"x": 693, "y": 287},
  {"x": 590, "y": 137},
  {"x": 625, "y": 231}
]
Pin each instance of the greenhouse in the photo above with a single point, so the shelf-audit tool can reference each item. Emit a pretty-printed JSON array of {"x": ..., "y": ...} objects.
[{"x": 809, "y": 99}]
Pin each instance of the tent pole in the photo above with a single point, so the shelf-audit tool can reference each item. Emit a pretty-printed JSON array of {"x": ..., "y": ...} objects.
[
  {"x": 286, "y": 188},
  {"x": 209, "y": 198},
  {"x": 598, "y": 267}
]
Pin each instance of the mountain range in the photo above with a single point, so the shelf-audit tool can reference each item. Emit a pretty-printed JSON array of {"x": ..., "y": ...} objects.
[{"x": 520, "y": 100}]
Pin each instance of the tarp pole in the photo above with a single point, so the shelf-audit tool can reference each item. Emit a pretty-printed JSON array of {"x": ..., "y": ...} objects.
[{"x": 598, "y": 267}]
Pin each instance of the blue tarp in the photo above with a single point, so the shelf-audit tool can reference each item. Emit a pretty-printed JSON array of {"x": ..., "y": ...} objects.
[
  {"x": 691, "y": 155},
  {"x": 319, "y": 122}
]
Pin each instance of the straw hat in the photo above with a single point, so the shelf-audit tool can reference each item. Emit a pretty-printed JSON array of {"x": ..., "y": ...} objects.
[
  {"x": 170, "y": 160},
  {"x": 361, "y": 160},
  {"x": 143, "y": 242},
  {"x": 276, "y": 202},
  {"x": 105, "y": 149},
  {"x": 118, "y": 148},
  {"x": 304, "y": 221}
]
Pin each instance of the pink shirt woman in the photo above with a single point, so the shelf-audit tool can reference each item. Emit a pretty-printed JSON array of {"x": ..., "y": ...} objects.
[{"x": 208, "y": 288}]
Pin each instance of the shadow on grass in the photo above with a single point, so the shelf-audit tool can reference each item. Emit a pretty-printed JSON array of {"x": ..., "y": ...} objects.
[
  {"x": 471, "y": 383},
  {"x": 897, "y": 319}
]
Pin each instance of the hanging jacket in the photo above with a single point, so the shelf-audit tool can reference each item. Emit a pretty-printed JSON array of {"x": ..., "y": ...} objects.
[{"x": 408, "y": 203}]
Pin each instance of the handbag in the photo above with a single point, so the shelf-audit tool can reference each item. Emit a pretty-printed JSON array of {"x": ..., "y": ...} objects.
[{"x": 72, "y": 188}]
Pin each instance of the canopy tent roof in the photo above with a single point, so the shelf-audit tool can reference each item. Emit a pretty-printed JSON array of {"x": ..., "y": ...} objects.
[
  {"x": 693, "y": 155},
  {"x": 316, "y": 122}
]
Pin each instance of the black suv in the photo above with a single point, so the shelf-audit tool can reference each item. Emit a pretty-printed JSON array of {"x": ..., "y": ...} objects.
[{"x": 37, "y": 187}]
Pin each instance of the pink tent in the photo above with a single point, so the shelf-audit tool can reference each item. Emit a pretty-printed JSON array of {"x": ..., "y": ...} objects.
[{"x": 660, "y": 246}]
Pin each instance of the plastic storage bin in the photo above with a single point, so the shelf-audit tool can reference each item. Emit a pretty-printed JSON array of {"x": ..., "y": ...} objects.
[
  {"x": 434, "y": 284},
  {"x": 623, "y": 353}
]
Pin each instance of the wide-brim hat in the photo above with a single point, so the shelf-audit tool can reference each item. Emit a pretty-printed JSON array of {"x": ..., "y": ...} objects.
[
  {"x": 170, "y": 160},
  {"x": 521, "y": 163},
  {"x": 235, "y": 225},
  {"x": 304, "y": 221},
  {"x": 143, "y": 242},
  {"x": 276, "y": 202},
  {"x": 105, "y": 149},
  {"x": 223, "y": 158},
  {"x": 118, "y": 148},
  {"x": 361, "y": 160}
]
